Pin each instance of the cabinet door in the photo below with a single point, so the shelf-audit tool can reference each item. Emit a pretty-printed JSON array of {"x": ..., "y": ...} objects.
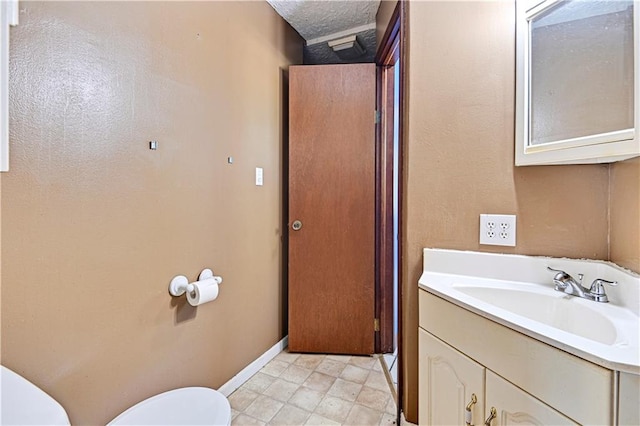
[
  {"x": 447, "y": 379},
  {"x": 516, "y": 407},
  {"x": 629, "y": 411}
]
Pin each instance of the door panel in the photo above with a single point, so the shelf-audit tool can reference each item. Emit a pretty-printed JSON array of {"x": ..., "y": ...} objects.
[{"x": 332, "y": 194}]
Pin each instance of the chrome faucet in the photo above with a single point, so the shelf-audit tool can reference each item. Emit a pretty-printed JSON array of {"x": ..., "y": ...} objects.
[{"x": 567, "y": 284}]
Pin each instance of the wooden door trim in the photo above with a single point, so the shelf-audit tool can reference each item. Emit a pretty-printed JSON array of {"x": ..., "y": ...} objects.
[
  {"x": 387, "y": 55},
  {"x": 393, "y": 47},
  {"x": 384, "y": 212},
  {"x": 391, "y": 36}
]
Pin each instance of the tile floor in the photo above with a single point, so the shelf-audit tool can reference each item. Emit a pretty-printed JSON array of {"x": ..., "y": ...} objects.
[{"x": 301, "y": 389}]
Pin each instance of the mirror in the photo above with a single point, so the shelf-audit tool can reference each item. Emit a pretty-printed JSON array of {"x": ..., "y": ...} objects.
[{"x": 577, "y": 79}]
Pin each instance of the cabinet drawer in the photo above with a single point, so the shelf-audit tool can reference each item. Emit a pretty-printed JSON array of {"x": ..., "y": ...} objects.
[{"x": 573, "y": 386}]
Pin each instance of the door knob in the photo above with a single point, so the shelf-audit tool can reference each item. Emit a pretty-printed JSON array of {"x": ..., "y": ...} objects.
[{"x": 296, "y": 225}]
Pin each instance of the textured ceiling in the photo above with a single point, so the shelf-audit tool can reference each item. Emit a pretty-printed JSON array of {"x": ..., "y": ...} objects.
[
  {"x": 319, "y": 21},
  {"x": 318, "y": 18}
]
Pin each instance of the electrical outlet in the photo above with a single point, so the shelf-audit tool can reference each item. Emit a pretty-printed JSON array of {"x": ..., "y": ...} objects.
[{"x": 498, "y": 229}]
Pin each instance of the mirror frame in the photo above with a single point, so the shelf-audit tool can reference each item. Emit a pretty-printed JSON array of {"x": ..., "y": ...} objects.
[
  {"x": 599, "y": 148},
  {"x": 9, "y": 12}
]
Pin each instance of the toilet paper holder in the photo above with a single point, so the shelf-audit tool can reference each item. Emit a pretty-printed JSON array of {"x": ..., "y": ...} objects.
[{"x": 180, "y": 284}]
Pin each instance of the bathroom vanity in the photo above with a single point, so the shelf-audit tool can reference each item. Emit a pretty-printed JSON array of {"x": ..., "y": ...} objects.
[{"x": 499, "y": 345}]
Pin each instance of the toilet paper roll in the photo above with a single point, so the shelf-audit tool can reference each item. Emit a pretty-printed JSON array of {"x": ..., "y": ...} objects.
[{"x": 203, "y": 292}]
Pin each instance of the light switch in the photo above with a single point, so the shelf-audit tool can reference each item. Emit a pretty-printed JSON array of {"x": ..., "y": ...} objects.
[{"x": 259, "y": 180}]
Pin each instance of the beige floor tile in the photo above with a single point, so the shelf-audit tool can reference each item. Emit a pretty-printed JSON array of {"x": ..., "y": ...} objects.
[
  {"x": 263, "y": 408},
  {"x": 354, "y": 374},
  {"x": 281, "y": 390},
  {"x": 342, "y": 358},
  {"x": 342, "y": 389},
  {"x": 377, "y": 366},
  {"x": 377, "y": 380},
  {"x": 391, "y": 407},
  {"x": 331, "y": 367},
  {"x": 361, "y": 415},
  {"x": 317, "y": 420},
  {"x": 307, "y": 399},
  {"x": 296, "y": 374},
  {"x": 334, "y": 408},
  {"x": 275, "y": 368},
  {"x": 244, "y": 420},
  {"x": 259, "y": 382},
  {"x": 234, "y": 414},
  {"x": 373, "y": 398},
  {"x": 366, "y": 362},
  {"x": 242, "y": 398},
  {"x": 345, "y": 390},
  {"x": 319, "y": 382},
  {"x": 290, "y": 415},
  {"x": 388, "y": 419},
  {"x": 287, "y": 357},
  {"x": 309, "y": 361}
]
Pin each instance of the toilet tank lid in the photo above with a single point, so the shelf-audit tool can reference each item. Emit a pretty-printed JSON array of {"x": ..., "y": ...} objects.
[
  {"x": 184, "y": 406},
  {"x": 23, "y": 403}
]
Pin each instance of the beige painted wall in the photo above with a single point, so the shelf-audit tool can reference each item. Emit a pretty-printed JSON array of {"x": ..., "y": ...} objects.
[
  {"x": 95, "y": 225},
  {"x": 625, "y": 214},
  {"x": 459, "y": 160}
]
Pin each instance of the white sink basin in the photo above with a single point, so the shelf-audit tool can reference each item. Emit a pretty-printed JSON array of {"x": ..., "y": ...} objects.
[
  {"x": 518, "y": 292},
  {"x": 556, "y": 310}
]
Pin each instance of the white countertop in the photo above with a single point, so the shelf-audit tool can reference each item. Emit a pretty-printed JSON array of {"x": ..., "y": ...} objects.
[{"x": 456, "y": 275}]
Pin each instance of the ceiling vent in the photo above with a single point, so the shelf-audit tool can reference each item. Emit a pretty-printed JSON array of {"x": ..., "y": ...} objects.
[{"x": 347, "y": 47}]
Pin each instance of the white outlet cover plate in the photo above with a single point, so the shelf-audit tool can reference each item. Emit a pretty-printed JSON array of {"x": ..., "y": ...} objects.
[
  {"x": 498, "y": 229},
  {"x": 259, "y": 176}
]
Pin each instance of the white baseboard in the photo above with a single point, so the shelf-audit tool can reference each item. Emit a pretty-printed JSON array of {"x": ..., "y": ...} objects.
[{"x": 251, "y": 369}]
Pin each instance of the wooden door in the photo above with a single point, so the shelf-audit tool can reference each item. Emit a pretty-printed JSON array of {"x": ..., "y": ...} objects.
[
  {"x": 447, "y": 381},
  {"x": 332, "y": 196}
]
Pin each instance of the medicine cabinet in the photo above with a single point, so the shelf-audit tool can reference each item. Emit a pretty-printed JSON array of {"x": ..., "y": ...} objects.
[
  {"x": 8, "y": 17},
  {"x": 577, "y": 81}
]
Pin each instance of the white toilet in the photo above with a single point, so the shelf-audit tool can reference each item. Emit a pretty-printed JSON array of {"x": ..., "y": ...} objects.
[
  {"x": 23, "y": 403},
  {"x": 184, "y": 406}
]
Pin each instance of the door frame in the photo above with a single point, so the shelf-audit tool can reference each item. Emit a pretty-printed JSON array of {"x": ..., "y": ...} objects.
[{"x": 391, "y": 49}]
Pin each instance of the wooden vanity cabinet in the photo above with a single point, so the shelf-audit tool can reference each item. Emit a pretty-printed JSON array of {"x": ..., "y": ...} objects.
[
  {"x": 527, "y": 381},
  {"x": 448, "y": 379}
]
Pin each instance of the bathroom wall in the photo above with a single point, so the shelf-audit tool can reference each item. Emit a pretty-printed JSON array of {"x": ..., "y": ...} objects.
[
  {"x": 625, "y": 214},
  {"x": 95, "y": 224},
  {"x": 459, "y": 158}
]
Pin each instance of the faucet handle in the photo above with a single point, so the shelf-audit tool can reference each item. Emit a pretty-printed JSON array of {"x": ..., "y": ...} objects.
[
  {"x": 597, "y": 289},
  {"x": 562, "y": 275},
  {"x": 597, "y": 286},
  {"x": 560, "y": 278}
]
